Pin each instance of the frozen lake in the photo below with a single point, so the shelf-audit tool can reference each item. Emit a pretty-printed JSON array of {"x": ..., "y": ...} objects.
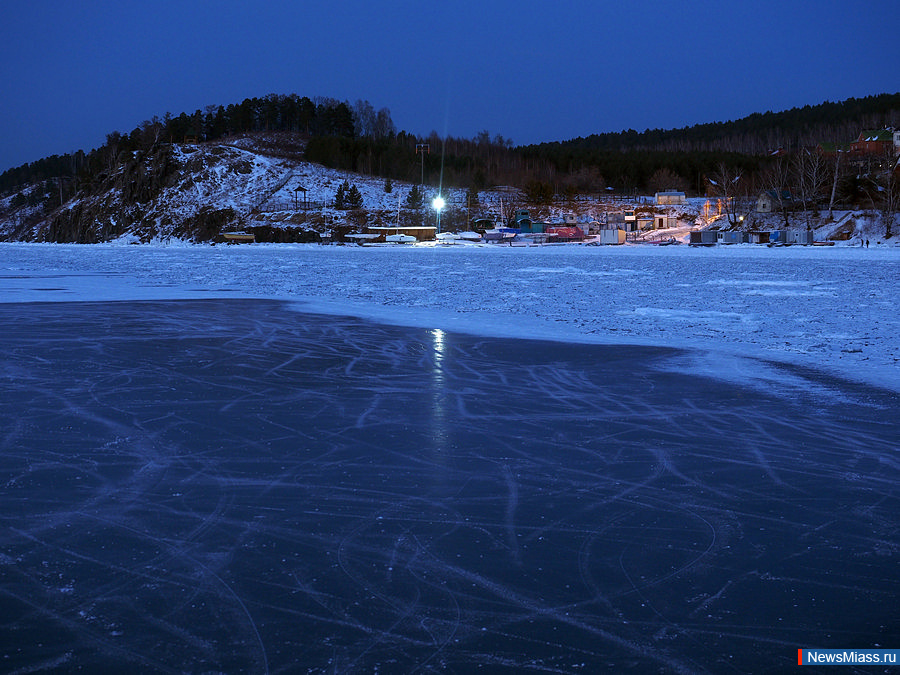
[
  {"x": 831, "y": 308},
  {"x": 232, "y": 485}
]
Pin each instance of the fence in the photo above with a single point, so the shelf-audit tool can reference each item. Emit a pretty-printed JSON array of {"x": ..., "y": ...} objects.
[{"x": 271, "y": 205}]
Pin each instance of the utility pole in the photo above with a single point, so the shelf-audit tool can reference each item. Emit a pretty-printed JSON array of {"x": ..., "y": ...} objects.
[{"x": 421, "y": 149}]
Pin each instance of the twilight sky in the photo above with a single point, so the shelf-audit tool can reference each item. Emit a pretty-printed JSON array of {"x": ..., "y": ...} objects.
[{"x": 73, "y": 72}]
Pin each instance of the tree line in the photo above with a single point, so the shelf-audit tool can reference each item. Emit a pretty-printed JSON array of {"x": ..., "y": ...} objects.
[
  {"x": 357, "y": 137},
  {"x": 756, "y": 134},
  {"x": 275, "y": 112}
]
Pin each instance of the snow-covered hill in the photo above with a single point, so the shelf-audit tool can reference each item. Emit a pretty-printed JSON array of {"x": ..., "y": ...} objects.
[
  {"x": 260, "y": 183},
  {"x": 192, "y": 192}
]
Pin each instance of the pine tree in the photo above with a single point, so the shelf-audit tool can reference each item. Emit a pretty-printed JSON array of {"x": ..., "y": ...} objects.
[
  {"x": 354, "y": 198},
  {"x": 347, "y": 197},
  {"x": 414, "y": 198},
  {"x": 340, "y": 197}
]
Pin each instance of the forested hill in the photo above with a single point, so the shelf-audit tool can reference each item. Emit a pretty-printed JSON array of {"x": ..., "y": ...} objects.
[
  {"x": 756, "y": 134},
  {"x": 357, "y": 138}
]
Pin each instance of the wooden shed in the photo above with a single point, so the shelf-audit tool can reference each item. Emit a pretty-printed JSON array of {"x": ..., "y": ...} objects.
[{"x": 671, "y": 197}]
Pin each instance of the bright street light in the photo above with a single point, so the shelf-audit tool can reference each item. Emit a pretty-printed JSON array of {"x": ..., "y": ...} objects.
[{"x": 438, "y": 203}]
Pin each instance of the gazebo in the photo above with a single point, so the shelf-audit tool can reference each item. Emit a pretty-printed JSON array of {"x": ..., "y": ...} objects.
[{"x": 297, "y": 190}]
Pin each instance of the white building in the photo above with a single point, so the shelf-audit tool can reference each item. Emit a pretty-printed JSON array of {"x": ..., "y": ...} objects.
[{"x": 612, "y": 236}]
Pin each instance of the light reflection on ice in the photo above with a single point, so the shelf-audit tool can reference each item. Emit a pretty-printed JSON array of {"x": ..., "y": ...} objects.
[{"x": 439, "y": 421}]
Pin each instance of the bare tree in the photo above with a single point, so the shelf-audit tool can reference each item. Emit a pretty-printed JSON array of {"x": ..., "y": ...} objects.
[
  {"x": 148, "y": 133},
  {"x": 777, "y": 181},
  {"x": 889, "y": 187},
  {"x": 384, "y": 125},
  {"x": 835, "y": 179},
  {"x": 810, "y": 179},
  {"x": 666, "y": 179},
  {"x": 363, "y": 118},
  {"x": 727, "y": 182}
]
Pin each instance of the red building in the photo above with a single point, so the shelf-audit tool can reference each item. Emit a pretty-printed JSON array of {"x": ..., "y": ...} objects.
[{"x": 879, "y": 142}]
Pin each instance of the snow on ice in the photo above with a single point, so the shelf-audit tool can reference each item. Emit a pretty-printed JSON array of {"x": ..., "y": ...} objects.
[{"x": 829, "y": 308}]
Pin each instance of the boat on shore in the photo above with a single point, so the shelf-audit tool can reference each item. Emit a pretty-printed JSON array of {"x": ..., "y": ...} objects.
[
  {"x": 362, "y": 238},
  {"x": 469, "y": 236},
  {"x": 500, "y": 235},
  {"x": 239, "y": 237},
  {"x": 400, "y": 239}
]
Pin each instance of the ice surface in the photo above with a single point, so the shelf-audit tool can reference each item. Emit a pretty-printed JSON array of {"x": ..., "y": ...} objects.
[
  {"x": 231, "y": 485},
  {"x": 835, "y": 309}
]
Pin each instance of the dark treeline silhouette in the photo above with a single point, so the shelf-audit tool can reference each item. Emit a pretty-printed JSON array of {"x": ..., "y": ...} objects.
[
  {"x": 756, "y": 134},
  {"x": 288, "y": 113},
  {"x": 632, "y": 160},
  {"x": 478, "y": 162},
  {"x": 356, "y": 137}
]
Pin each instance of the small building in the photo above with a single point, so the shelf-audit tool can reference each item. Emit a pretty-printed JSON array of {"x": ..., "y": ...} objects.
[
  {"x": 522, "y": 220},
  {"x": 612, "y": 236},
  {"x": 703, "y": 237},
  {"x": 563, "y": 233},
  {"x": 799, "y": 236},
  {"x": 645, "y": 223},
  {"x": 875, "y": 142},
  {"x": 625, "y": 220},
  {"x": 531, "y": 227},
  {"x": 758, "y": 237},
  {"x": 662, "y": 221},
  {"x": 770, "y": 201},
  {"x": 827, "y": 149},
  {"x": 671, "y": 197},
  {"x": 731, "y": 237}
]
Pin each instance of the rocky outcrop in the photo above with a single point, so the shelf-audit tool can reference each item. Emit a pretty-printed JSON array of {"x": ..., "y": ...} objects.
[
  {"x": 117, "y": 202},
  {"x": 206, "y": 224}
]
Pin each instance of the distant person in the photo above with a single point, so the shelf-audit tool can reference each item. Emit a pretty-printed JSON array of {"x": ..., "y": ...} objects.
[{"x": 867, "y": 243}]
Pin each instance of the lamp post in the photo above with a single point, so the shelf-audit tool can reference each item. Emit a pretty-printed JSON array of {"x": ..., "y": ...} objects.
[
  {"x": 422, "y": 148},
  {"x": 438, "y": 203}
]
